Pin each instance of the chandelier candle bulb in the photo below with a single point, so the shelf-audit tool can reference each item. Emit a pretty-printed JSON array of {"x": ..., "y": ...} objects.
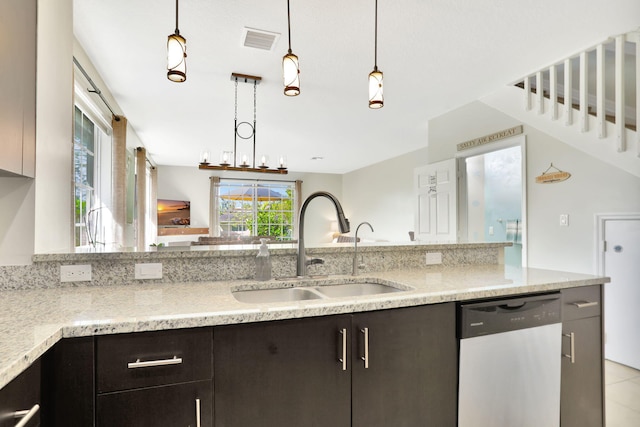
[
  {"x": 225, "y": 157},
  {"x": 204, "y": 158},
  {"x": 282, "y": 163}
]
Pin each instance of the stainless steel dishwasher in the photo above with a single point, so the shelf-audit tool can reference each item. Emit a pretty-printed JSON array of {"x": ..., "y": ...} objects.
[{"x": 510, "y": 356}]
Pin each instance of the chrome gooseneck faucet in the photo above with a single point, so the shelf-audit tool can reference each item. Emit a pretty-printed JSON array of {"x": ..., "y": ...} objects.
[
  {"x": 355, "y": 251},
  {"x": 343, "y": 223}
]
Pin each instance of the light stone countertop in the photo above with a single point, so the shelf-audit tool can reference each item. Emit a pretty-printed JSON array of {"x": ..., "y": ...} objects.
[{"x": 32, "y": 321}]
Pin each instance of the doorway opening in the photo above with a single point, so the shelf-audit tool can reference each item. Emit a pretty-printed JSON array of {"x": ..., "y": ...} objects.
[{"x": 492, "y": 197}]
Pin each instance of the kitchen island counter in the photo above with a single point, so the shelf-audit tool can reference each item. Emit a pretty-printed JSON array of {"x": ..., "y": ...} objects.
[{"x": 33, "y": 320}]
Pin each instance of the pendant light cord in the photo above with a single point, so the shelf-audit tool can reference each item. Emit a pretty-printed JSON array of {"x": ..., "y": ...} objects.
[
  {"x": 177, "y": 30},
  {"x": 289, "y": 24},
  {"x": 375, "y": 53}
]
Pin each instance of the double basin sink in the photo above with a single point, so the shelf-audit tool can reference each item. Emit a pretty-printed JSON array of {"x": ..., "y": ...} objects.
[{"x": 303, "y": 293}]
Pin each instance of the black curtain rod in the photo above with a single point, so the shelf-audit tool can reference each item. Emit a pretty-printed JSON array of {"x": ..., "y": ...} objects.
[{"x": 95, "y": 89}]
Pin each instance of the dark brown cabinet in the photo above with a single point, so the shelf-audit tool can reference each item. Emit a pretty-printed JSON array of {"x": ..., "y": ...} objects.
[
  {"x": 68, "y": 385},
  {"x": 405, "y": 367},
  {"x": 20, "y": 400},
  {"x": 186, "y": 404},
  {"x": 581, "y": 403},
  {"x": 18, "y": 87},
  {"x": 155, "y": 378},
  {"x": 392, "y": 367},
  {"x": 282, "y": 373}
]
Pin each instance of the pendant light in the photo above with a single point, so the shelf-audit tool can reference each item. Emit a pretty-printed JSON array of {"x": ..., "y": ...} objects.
[
  {"x": 176, "y": 55},
  {"x": 290, "y": 66},
  {"x": 376, "y": 96}
]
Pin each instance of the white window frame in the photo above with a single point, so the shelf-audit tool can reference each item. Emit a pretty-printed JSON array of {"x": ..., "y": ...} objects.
[{"x": 218, "y": 193}]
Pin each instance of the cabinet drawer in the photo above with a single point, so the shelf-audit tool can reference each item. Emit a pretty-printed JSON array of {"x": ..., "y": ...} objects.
[
  {"x": 20, "y": 399},
  {"x": 580, "y": 303},
  {"x": 153, "y": 358},
  {"x": 189, "y": 404}
]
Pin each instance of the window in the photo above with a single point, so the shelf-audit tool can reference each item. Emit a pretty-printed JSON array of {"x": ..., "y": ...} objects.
[
  {"x": 88, "y": 152},
  {"x": 255, "y": 208}
]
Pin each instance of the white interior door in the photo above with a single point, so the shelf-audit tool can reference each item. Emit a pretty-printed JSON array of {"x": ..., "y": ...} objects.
[
  {"x": 435, "y": 189},
  {"x": 622, "y": 296}
]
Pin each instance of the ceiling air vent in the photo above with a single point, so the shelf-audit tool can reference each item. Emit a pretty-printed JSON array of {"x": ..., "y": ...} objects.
[{"x": 259, "y": 39}]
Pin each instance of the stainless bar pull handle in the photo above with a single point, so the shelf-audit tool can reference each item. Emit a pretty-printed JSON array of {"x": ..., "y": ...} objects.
[
  {"x": 198, "y": 413},
  {"x": 365, "y": 332},
  {"x": 572, "y": 344},
  {"x": 585, "y": 304},
  {"x": 26, "y": 415},
  {"x": 151, "y": 363},
  {"x": 343, "y": 359}
]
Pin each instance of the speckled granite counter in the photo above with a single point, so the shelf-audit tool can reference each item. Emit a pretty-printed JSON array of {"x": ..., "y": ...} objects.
[{"x": 33, "y": 320}]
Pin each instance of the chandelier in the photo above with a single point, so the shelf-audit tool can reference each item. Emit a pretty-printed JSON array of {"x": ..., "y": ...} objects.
[{"x": 229, "y": 160}]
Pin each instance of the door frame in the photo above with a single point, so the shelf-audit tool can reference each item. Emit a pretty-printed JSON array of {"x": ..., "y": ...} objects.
[
  {"x": 461, "y": 156},
  {"x": 600, "y": 220}
]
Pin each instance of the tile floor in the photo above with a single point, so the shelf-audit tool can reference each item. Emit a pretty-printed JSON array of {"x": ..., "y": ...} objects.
[{"x": 622, "y": 392}]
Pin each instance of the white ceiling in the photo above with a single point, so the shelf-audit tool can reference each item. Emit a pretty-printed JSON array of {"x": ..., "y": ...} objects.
[{"x": 436, "y": 55}]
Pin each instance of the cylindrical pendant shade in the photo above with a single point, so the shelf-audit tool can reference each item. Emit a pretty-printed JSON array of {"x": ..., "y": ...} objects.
[
  {"x": 376, "y": 96},
  {"x": 291, "y": 74},
  {"x": 176, "y": 58}
]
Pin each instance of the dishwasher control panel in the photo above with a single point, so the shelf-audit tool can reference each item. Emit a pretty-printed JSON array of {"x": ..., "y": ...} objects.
[{"x": 507, "y": 314}]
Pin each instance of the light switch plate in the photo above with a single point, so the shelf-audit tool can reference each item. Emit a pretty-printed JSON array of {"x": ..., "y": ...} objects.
[
  {"x": 149, "y": 271},
  {"x": 433, "y": 258}
]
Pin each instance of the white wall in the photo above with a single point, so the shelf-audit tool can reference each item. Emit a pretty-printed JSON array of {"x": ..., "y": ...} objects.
[
  {"x": 383, "y": 195},
  {"x": 190, "y": 183},
  {"x": 594, "y": 187},
  {"x": 17, "y": 216}
]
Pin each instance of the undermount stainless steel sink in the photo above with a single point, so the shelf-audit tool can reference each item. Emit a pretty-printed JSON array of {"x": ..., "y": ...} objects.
[
  {"x": 257, "y": 296},
  {"x": 356, "y": 289},
  {"x": 261, "y": 296}
]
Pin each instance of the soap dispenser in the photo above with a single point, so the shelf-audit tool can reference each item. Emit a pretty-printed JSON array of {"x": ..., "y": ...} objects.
[{"x": 263, "y": 262}]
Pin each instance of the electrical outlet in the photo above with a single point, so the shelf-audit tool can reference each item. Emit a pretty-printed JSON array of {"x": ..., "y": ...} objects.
[
  {"x": 433, "y": 258},
  {"x": 149, "y": 271},
  {"x": 75, "y": 273}
]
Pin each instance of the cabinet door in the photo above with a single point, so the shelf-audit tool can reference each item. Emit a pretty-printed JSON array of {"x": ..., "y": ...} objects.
[
  {"x": 411, "y": 378},
  {"x": 68, "y": 385},
  {"x": 581, "y": 386},
  {"x": 173, "y": 405},
  {"x": 17, "y": 93},
  {"x": 20, "y": 399},
  {"x": 284, "y": 373}
]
